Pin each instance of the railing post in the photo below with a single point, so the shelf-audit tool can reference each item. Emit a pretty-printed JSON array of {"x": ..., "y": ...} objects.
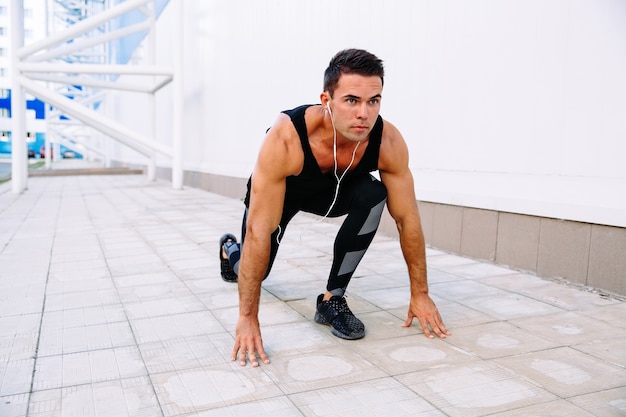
[
  {"x": 179, "y": 97},
  {"x": 19, "y": 156},
  {"x": 151, "y": 60}
]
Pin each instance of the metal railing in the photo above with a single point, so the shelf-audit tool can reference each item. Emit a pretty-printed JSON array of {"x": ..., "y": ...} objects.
[{"x": 64, "y": 71}]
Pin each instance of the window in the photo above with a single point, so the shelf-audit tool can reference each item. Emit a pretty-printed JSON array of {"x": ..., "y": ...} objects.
[
  {"x": 3, "y": 10},
  {"x": 4, "y": 93},
  {"x": 3, "y": 31},
  {"x": 3, "y": 51},
  {"x": 3, "y": 72},
  {"x": 4, "y": 113},
  {"x": 4, "y": 136}
]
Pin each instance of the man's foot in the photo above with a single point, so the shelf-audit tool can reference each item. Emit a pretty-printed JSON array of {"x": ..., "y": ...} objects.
[
  {"x": 227, "y": 272},
  {"x": 336, "y": 313}
]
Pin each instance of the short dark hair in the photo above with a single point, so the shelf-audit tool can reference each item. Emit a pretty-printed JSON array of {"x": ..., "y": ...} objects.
[{"x": 351, "y": 61}]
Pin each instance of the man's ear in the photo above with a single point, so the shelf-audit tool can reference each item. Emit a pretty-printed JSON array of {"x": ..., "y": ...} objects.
[{"x": 324, "y": 99}]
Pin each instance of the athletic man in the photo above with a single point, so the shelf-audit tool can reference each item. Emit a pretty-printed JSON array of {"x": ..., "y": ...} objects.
[{"x": 318, "y": 159}]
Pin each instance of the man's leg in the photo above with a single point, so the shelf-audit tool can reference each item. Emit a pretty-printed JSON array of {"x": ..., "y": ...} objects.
[
  {"x": 363, "y": 200},
  {"x": 233, "y": 249}
]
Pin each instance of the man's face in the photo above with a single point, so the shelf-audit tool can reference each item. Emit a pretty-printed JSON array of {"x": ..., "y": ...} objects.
[{"x": 355, "y": 105}]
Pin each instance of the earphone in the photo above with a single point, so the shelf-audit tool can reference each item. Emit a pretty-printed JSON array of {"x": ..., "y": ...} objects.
[{"x": 337, "y": 177}]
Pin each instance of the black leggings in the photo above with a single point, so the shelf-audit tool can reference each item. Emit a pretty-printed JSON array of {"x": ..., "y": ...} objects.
[{"x": 362, "y": 199}]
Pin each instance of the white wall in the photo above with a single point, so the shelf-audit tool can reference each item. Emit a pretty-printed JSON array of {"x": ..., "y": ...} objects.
[{"x": 513, "y": 105}]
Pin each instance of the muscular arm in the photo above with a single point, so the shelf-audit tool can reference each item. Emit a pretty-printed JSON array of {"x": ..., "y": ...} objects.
[
  {"x": 402, "y": 205},
  {"x": 277, "y": 159}
]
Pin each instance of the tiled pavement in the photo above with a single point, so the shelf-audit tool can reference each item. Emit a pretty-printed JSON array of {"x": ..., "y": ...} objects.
[{"x": 111, "y": 304}]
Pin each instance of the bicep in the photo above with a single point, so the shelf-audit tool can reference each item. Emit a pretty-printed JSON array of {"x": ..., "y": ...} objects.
[
  {"x": 267, "y": 193},
  {"x": 396, "y": 175}
]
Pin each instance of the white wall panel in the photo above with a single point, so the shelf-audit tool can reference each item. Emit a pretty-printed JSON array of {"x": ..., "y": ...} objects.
[{"x": 516, "y": 105}]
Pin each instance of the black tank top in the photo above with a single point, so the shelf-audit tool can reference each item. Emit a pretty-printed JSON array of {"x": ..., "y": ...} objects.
[{"x": 311, "y": 182}]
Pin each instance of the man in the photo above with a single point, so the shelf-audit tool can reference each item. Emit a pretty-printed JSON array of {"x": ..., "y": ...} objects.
[{"x": 318, "y": 159}]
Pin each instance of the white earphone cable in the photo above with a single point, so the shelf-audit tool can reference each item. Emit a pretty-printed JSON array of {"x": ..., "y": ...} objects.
[{"x": 338, "y": 178}]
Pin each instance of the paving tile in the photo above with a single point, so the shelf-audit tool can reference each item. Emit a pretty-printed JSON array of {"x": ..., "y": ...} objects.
[
  {"x": 475, "y": 389},
  {"x": 120, "y": 398},
  {"x": 209, "y": 285},
  {"x": 380, "y": 397},
  {"x": 377, "y": 281},
  {"x": 454, "y": 315},
  {"x": 83, "y": 316},
  {"x": 76, "y": 282},
  {"x": 498, "y": 339},
  {"x": 384, "y": 325},
  {"x": 445, "y": 261},
  {"x": 388, "y": 298},
  {"x": 612, "y": 314},
  {"x": 187, "y": 353},
  {"x": 155, "y": 307},
  {"x": 16, "y": 376},
  {"x": 200, "y": 389},
  {"x": 14, "y": 405},
  {"x": 17, "y": 346},
  {"x": 568, "y": 328},
  {"x": 148, "y": 278},
  {"x": 176, "y": 326},
  {"x": 510, "y": 306},
  {"x": 401, "y": 355},
  {"x": 16, "y": 305},
  {"x": 559, "y": 408},
  {"x": 521, "y": 283},
  {"x": 88, "y": 367},
  {"x": 217, "y": 298},
  {"x": 85, "y": 338},
  {"x": 479, "y": 270},
  {"x": 71, "y": 300},
  {"x": 271, "y": 407},
  {"x": 74, "y": 277},
  {"x": 269, "y": 313},
  {"x": 18, "y": 336},
  {"x": 305, "y": 286},
  {"x": 302, "y": 337},
  {"x": 609, "y": 403},
  {"x": 325, "y": 367},
  {"x": 612, "y": 351},
  {"x": 569, "y": 298},
  {"x": 467, "y": 289},
  {"x": 437, "y": 276},
  {"x": 565, "y": 371},
  {"x": 153, "y": 291}
]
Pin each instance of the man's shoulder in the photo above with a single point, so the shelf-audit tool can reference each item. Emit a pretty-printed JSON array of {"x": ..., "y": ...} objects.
[
  {"x": 390, "y": 133},
  {"x": 298, "y": 111}
]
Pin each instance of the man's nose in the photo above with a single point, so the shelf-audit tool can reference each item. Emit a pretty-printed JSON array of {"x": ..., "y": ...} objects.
[{"x": 362, "y": 111}]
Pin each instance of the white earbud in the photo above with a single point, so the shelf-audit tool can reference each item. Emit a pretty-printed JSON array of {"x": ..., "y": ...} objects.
[{"x": 328, "y": 108}]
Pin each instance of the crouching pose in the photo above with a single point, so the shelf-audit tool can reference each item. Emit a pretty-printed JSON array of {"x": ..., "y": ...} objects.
[{"x": 318, "y": 159}]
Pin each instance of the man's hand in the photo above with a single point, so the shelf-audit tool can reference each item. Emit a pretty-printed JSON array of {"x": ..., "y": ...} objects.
[
  {"x": 424, "y": 309},
  {"x": 248, "y": 342}
]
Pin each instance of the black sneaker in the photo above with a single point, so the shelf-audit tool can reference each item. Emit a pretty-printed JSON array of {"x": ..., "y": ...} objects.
[
  {"x": 336, "y": 314},
  {"x": 227, "y": 272}
]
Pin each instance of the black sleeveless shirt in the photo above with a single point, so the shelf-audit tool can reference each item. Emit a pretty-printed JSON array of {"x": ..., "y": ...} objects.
[{"x": 311, "y": 182}]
